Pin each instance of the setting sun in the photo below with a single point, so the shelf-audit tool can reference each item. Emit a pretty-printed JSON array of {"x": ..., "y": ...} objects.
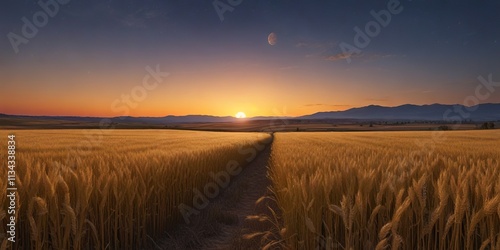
[{"x": 240, "y": 115}]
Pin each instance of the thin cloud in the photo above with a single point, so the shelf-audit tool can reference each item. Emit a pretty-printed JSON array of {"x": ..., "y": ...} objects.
[
  {"x": 316, "y": 45},
  {"x": 315, "y": 49},
  {"x": 341, "y": 56},
  {"x": 373, "y": 57},
  {"x": 301, "y": 45},
  {"x": 132, "y": 21},
  {"x": 136, "y": 19},
  {"x": 362, "y": 56}
]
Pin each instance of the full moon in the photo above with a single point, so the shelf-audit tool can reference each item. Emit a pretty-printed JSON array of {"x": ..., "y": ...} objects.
[
  {"x": 240, "y": 115},
  {"x": 272, "y": 39}
]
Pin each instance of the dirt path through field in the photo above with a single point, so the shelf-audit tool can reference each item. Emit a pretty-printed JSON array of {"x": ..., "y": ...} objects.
[{"x": 229, "y": 219}]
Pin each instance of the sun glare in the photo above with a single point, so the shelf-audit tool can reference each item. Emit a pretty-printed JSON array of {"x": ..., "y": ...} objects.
[{"x": 240, "y": 115}]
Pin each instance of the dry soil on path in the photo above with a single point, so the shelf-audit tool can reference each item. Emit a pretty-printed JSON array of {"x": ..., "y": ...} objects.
[{"x": 239, "y": 218}]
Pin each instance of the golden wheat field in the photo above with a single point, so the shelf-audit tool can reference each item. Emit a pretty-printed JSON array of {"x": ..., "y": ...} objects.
[
  {"x": 388, "y": 190},
  {"x": 84, "y": 189}
]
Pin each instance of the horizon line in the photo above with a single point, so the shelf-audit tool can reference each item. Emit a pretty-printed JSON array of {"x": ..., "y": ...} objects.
[{"x": 232, "y": 116}]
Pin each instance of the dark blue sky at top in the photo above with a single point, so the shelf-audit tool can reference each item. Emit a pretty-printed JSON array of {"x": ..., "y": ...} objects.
[
  {"x": 430, "y": 29},
  {"x": 442, "y": 40}
]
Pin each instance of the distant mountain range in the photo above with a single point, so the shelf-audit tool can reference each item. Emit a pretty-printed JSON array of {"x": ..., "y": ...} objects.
[{"x": 434, "y": 112}]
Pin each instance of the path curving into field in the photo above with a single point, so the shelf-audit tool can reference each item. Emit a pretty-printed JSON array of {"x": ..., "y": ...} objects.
[{"x": 229, "y": 220}]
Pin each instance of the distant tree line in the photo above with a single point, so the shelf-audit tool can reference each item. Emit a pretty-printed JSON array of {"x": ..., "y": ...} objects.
[{"x": 488, "y": 125}]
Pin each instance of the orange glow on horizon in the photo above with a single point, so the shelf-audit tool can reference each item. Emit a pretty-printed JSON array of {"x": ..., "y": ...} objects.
[{"x": 218, "y": 90}]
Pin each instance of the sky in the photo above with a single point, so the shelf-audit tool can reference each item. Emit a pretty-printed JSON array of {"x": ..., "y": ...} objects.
[{"x": 158, "y": 58}]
